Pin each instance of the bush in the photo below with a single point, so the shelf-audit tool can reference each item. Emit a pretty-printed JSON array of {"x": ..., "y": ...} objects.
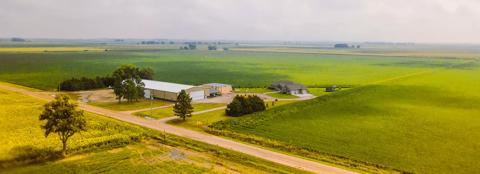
[{"x": 242, "y": 105}]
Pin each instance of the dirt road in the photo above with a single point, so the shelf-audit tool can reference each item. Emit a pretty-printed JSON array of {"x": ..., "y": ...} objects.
[{"x": 210, "y": 139}]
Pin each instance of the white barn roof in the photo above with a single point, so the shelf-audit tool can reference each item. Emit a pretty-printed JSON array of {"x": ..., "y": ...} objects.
[{"x": 165, "y": 86}]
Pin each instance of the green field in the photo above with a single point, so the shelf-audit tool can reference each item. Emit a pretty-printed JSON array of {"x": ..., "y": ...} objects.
[
  {"x": 426, "y": 123},
  {"x": 406, "y": 111},
  {"x": 109, "y": 146},
  {"x": 242, "y": 69}
]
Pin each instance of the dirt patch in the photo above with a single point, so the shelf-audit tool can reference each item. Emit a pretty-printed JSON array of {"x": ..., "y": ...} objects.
[{"x": 102, "y": 95}]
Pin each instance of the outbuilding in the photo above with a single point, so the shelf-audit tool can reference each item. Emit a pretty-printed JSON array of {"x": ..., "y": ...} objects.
[
  {"x": 170, "y": 91},
  {"x": 216, "y": 89},
  {"x": 288, "y": 87}
]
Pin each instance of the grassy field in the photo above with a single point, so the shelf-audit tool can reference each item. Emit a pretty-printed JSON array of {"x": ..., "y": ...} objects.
[
  {"x": 124, "y": 106},
  {"x": 241, "y": 69},
  {"x": 109, "y": 146},
  {"x": 168, "y": 112},
  {"x": 423, "y": 124}
]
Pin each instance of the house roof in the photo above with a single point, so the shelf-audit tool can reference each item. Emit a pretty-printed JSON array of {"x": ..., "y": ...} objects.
[
  {"x": 289, "y": 85},
  {"x": 165, "y": 86},
  {"x": 216, "y": 84}
]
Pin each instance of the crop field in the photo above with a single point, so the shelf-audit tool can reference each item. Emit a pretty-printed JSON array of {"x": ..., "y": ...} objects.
[
  {"x": 109, "y": 146},
  {"x": 22, "y": 137},
  {"x": 426, "y": 123},
  {"x": 242, "y": 69}
]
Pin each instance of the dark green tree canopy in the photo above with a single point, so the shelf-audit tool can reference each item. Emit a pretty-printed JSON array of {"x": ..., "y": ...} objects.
[
  {"x": 128, "y": 82},
  {"x": 183, "y": 106},
  {"x": 242, "y": 105},
  {"x": 63, "y": 119}
]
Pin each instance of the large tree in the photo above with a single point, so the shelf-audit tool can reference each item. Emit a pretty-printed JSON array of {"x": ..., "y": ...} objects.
[
  {"x": 63, "y": 119},
  {"x": 128, "y": 82},
  {"x": 183, "y": 106}
]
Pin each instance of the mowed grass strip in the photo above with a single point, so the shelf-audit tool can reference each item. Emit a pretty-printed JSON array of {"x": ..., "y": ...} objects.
[
  {"x": 129, "y": 106},
  {"x": 168, "y": 112},
  {"x": 423, "y": 124}
]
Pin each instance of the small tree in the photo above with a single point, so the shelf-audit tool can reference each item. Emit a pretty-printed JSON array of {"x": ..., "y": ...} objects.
[
  {"x": 62, "y": 118},
  {"x": 183, "y": 107}
]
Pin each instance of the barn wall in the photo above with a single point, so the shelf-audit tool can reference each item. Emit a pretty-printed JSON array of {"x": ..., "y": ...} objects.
[{"x": 165, "y": 95}]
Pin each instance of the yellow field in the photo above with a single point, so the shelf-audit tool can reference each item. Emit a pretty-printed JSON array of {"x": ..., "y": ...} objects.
[
  {"x": 49, "y": 49},
  {"x": 366, "y": 52}
]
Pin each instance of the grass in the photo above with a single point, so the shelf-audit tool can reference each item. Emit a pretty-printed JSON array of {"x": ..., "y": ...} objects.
[
  {"x": 109, "y": 146},
  {"x": 168, "y": 112},
  {"x": 423, "y": 124},
  {"x": 201, "y": 121},
  {"x": 252, "y": 90},
  {"x": 125, "y": 106},
  {"x": 281, "y": 95}
]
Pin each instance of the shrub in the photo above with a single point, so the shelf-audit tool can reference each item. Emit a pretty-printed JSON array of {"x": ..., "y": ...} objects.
[{"x": 242, "y": 105}]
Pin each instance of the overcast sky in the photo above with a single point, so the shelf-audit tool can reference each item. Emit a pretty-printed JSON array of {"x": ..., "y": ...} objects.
[{"x": 432, "y": 21}]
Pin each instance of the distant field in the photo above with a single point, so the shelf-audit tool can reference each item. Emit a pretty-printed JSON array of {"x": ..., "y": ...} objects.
[
  {"x": 426, "y": 53},
  {"x": 109, "y": 146},
  {"x": 242, "y": 69},
  {"x": 423, "y": 124},
  {"x": 47, "y": 49}
]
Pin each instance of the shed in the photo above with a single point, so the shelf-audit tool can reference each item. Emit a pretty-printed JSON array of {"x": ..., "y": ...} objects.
[
  {"x": 289, "y": 87},
  {"x": 215, "y": 89},
  {"x": 331, "y": 88},
  {"x": 170, "y": 91}
]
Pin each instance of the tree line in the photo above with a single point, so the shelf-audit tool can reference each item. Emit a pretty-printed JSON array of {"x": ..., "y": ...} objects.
[{"x": 86, "y": 83}]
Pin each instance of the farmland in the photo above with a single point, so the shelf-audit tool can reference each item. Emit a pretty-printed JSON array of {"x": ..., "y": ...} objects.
[
  {"x": 426, "y": 123},
  {"x": 109, "y": 146},
  {"x": 250, "y": 69},
  {"x": 409, "y": 112}
]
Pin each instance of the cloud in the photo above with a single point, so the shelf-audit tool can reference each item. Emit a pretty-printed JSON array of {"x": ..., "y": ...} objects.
[{"x": 313, "y": 20}]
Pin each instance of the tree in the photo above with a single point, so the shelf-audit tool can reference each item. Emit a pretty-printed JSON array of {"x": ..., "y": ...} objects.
[
  {"x": 242, "y": 105},
  {"x": 63, "y": 119},
  {"x": 146, "y": 73},
  {"x": 128, "y": 82},
  {"x": 183, "y": 107}
]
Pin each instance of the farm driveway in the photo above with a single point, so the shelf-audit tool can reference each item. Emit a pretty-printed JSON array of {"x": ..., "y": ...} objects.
[{"x": 210, "y": 139}]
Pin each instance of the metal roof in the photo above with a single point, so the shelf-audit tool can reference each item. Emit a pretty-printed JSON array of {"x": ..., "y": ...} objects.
[
  {"x": 165, "y": 86},
  {"x": 216, "y": 84}
]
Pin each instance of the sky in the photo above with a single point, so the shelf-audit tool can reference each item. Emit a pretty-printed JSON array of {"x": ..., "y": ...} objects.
[{"x": 423, "y": 21}]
